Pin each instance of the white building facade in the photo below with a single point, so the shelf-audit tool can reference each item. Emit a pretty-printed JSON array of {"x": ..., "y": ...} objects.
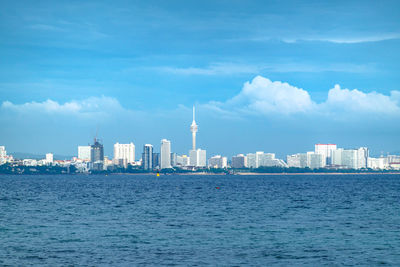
[
  {"x": 378, "y": 163},
  {"x": 3, "y": 154},
  {"x": 183, "y": 161},
  {"x": 350, "y": 158},
  {"x": 165, "y": 154},
  {"x": 49, "y": 158},
  {"x": 198, "y": 158},
  {"x": 315, "y": 161},
  {"x": 124, "y": 154},
  {"x": 326, "y": 151},
  {"x": 261, "y": 159},
  {"x": 297, "y": 160},
  {"x": 218, "y": 162},
  {"x": 84, "y": 153}
]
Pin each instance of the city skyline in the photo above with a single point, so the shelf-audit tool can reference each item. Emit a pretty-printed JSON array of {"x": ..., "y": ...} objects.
[
  {"x": 193, "y": 129},
  {"x": 92, "y": 158},
  {"x": 273, "y": 76}
]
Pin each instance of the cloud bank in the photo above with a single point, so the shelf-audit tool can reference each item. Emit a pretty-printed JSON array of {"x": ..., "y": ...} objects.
[
  {"x": 260, "y": 96},
  {"x": 347, "y": 40},
  {"x": 86, "y": 108},
  {"x": 264, "y": 97}
]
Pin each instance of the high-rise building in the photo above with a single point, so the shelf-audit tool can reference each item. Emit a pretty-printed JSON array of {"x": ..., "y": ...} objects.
[
  {"x": 147, "y": 157},
  {"x": 174, "y": 157},
  {"x": 261, "y": 159},
  {"x": 3, "y": 154},
  {"x": 350, "y": 158},
  {"x": 218, "y": 162},
  {"x": 84, "y": 153},
  {"x": 193, "y": 129},
  {"x": 362, "y": 157},
  {"x": 97, "y": 155},
  {"x": 165, "y": 149},
  {"x": 326, "y": 151},
  {"x": 337, "y": 157},
  {"x": 49, "y": 158},
  {"x": 315, "y": 161},
  {"x": 297, "y": 160},
  {"x": 239, "y": 161},
  {"x": 252, "y": 160},
  {"x": 124, "y": 154},
  {"x": 198, "y": 158},
  {"x": 156, "y": 160}
]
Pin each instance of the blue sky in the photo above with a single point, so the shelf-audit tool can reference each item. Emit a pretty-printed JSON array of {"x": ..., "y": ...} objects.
[{"x": 276, "y": 76}]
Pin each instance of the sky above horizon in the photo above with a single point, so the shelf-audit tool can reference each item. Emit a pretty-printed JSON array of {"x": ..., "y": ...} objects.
[{"x": 273, "y": 76}]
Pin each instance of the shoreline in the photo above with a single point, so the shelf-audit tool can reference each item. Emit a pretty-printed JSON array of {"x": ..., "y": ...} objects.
[
  {"x": 255, "y": 173},
  {"x": 213, "y": 174}
]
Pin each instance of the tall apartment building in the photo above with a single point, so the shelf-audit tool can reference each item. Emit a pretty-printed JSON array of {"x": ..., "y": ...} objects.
[
  {"x": 326, "y": 151},
  {"x": 315, "y": 161},
  {"x": 351, "y": 158},
  {"x": 165, "y": 160},
  {"x": 147, "y": 157},
  {"x": 174, "y": 159},
  {"x": 297, "y": 160},
  {"x": 124, "y": 154},
  {"x": 156, "y": 160},
  {"x": 3, "y": 154}
]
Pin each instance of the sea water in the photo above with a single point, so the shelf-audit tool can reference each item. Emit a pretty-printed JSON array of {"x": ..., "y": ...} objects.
[{"x": 130, "y": 220}]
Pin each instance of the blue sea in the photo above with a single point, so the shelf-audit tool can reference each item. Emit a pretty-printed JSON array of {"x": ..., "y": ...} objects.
[{"x": 131, "y": 220}]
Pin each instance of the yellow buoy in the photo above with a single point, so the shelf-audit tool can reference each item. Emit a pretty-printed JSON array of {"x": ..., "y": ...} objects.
[{"x": 158, "y": 174}]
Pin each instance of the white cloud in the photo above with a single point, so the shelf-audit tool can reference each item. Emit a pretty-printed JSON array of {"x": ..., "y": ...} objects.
[
  {"x": 265, "y": 97},
  {"x": 354, "y": 40},
  {"x": 395, "y": 96},
  {"x": 332, "y": 39},
  {"x": 92, "y": 106},
  {"x": 358, "y": 101}
]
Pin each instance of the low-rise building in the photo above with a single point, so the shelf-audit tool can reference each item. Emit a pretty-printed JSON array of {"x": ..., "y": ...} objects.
[{"x": 218, "y": 162}]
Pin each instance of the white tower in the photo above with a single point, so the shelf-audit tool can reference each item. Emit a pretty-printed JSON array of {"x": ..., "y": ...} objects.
[
  {"x": 165, "y": 154},
  {"x": 193, "y": 129}
]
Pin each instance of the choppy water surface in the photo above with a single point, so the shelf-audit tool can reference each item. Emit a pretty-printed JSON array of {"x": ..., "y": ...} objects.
[{"x": 186, "y": 220}]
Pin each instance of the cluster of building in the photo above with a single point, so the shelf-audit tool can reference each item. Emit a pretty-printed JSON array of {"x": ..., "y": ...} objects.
[
  {"x": 92, "y": 158},
  {"x": 323, "y": 156}
]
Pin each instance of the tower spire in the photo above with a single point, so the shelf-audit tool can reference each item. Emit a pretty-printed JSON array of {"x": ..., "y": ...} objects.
[{"x": 193, "y": 129}]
